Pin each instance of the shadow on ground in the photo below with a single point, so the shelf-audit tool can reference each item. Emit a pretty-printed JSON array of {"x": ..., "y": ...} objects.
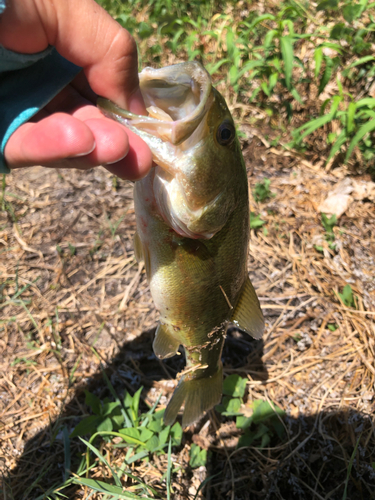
[{"x": 324, "y": 456}]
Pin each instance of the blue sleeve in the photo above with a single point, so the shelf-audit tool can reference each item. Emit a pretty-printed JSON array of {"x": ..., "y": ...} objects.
[{"x": 27, "y": 83}]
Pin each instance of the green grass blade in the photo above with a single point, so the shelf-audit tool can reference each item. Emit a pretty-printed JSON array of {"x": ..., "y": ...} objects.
[
  {"x": 135, "y": 406},
  {"x": 30, "y": 315},
  {"x": 46, "y": 467},
  {"x": 138, "y": 456},
  {"x": 19, "y": 292},
  {"x": 265, "y": 88},
  {"x": 102, "y": 487},
  {"x": 350, "y": 468},
  {"x": 102, "y": 459},
  {"x": 174, "y": 43},
  {"x": 337, "y": 145},
  {"x": 259, "y": 19},
  {"x": 212, "y": 68},
  {"x": 169, "y": 470},
  {"x": 326, "y": 74},
  {"x": 67, "y": 456},
  {"x": 350, "y": 119},
  {"x": 334, "y": 46},
  {"x": 361, "y": 60},
  {"x": 251, "y": 65},
  {"x": 272, "y": 80},
  {"x": 286, "y": 44},
  {"x": 318, "y": 58},
  {"x": 128, "y": 438},
  {"x": 268, "y": 38},
  {"x": 203, "y": 484},
  {"x": 124, "y": 413},
  {"x": 231, "y": 45},
  {"x": 296, "y": 95},
  {"x": 367, "y": 113},
  {"x": 365, "y": 129},
  {"x": 339, "y": 85},
  {"x": 313, "y": 125},
  {"x": 140, "y": 482},
  {"x": 367, "y": 101},
  {"x": 335, "y": 104}
]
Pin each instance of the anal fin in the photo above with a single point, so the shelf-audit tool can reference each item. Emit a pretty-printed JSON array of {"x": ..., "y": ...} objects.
[
  {"x": 247, "y": 314},
  {"x": 165, "y": 343}
]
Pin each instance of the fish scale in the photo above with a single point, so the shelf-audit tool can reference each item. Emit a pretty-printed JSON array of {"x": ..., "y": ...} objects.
[{"x": 192, "y": 214}]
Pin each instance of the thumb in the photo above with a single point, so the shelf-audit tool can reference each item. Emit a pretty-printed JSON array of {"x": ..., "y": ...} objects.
[{"x": 85, "y": 34}]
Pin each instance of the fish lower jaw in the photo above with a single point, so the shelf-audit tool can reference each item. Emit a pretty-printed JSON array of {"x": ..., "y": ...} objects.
[
  {"x": 183, "y": 230},
  {"x": 193, "y": 236}
]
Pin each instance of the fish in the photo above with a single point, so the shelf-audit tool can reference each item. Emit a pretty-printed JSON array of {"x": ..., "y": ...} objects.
[{"x": 192, "y": 217}]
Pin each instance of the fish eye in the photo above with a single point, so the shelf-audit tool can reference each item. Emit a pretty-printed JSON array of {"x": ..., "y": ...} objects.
[{"x": 225, "y": 133}]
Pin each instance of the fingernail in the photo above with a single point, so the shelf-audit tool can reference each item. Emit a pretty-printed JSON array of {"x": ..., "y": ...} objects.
[
  {"x": 136, "y": 103},
  {"x": 85, "y": 153},
  {"x": 119, "y": 159}
]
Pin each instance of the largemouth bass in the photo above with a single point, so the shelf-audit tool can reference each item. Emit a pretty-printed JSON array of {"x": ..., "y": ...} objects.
[{"x": 192, "y": 213}]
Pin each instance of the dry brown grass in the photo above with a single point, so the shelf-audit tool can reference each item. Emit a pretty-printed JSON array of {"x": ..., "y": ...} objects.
[
  {"x": 84, "y": 290},
  {"x": 96, "y": 295}
]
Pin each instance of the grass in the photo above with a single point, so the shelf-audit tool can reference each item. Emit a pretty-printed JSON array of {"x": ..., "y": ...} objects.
[
  {"x": 262, "y": 190},
  {"x": 328, "y": 223},
  {"x": 280, "y": 60},
  {"x": 322, "y": 386},
  {"x": 141, "y": 436}
]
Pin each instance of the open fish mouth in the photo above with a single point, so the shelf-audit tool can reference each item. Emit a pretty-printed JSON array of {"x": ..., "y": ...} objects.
[
  {"x": 185, "y": 115},
  {"x": 177, "y": 98}
]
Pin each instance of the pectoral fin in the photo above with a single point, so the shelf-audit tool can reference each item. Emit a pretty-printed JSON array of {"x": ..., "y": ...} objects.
[
  {"x": 247, "y": 314},
  {"x": 165, "y": 343},
  {"x": 138, "y": 252},
  {"x": 141, "y": 253}
]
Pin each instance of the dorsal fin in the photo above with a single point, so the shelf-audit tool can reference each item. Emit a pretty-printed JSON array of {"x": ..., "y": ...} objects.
[
  {"x": 247, "y": 314},
  {"x": 165, "y": 343}
]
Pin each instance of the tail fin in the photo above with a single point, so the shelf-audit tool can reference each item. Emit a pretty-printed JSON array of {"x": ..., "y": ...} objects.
[{"x": 199, "y": 395}]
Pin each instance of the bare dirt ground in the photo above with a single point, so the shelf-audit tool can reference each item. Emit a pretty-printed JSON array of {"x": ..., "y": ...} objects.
[{"x": 69, "y": 282}]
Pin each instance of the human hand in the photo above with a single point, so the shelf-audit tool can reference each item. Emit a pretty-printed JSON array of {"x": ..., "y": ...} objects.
[{"x": 70, "y": 131}]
